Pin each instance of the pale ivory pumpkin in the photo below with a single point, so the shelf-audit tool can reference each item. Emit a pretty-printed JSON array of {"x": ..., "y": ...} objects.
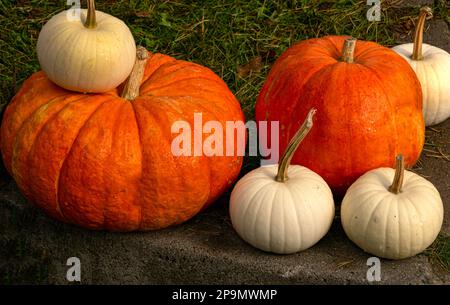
[
  {"x": 93, "y": 53},
  {"x": 392, "y": 221},
  {"x": 278, "y": 214},
  {"x": 432, "y": 66}
]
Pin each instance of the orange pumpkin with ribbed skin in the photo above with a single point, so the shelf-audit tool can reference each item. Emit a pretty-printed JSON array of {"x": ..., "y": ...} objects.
[
  {"x": 367, "y": 111},
  {"x": 103, "y": 162}
]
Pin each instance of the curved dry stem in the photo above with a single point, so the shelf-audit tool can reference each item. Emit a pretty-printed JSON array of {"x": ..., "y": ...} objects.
[
  {"x": 396, "y": 186},
  {"x": 425, "y": 12},
  {"x": 133, "y": 83},
  {"x": 91, "y": 20},
  {"x": 285, "y": 160}
]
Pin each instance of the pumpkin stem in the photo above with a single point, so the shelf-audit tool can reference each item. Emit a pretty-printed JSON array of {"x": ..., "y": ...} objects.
[
  {"x": 348, "y": 51},
  {"x": 285, "y": 160},
  {"x": 418, "y": 36},
  {"x": 91, "y": 21},
  {"x": 397, "y": 184},
  {"x": 131, "y": 89}
]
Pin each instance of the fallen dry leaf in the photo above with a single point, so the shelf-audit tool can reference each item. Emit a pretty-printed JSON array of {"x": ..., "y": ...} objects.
[
  {"x": 254, "y": 65},
  {"x": 142, "y": 14}
]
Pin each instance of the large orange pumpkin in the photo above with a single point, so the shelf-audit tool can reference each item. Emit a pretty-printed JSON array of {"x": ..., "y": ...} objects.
[
  {"x": 103, "y": 162},
  {"x": 368, "y": 102}
]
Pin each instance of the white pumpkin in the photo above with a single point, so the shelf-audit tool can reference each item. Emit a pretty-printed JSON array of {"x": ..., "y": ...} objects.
[
  {"x": 278, "y": 214},
  {"x": 432, "y": 66},
  {"x": 93, "y": 53},
  {"x": 396, "y": 221}
]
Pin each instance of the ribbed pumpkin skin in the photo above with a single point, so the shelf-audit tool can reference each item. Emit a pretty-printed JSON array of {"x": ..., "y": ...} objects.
[
  {"x": 393, "y": 226},
  {"x": 102, "y": 162},
  {"x": 367, "y": 111}
]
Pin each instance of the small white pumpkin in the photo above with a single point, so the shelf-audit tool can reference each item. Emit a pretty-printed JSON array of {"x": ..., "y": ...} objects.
[
  {"x": 278, "y": 214},
  {"x": 432, "y": 67},
  {"x": 93, "y": 53},
  {"x": 392, "y": 221}
]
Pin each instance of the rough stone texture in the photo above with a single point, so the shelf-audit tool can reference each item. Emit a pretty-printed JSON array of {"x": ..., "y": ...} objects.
[
  {"x": 437, "y": 168},
  {"x": 437, "y": 33},
  {"x": 203, "y": 251}
]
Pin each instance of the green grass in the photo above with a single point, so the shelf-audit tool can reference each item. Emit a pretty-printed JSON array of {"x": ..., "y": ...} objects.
[
  {"x": 439, "y": 252},
  {"x": 220, "y": 34}
]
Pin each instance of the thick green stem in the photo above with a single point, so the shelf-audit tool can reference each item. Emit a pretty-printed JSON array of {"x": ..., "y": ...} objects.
[
  {"x": 397, "y": 184},
  {"x": 348, "y": 51},
  {"x": 285, "y": 160},
  {"x": 131, "y": 89},
  {"x": 91, "y": 21},
  {"x": 425, "y": 12}
]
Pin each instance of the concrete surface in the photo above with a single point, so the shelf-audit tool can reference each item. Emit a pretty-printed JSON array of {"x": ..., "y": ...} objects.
[
  {"x": 205, "y": 250},
  {"x": 436, "y": 33}
]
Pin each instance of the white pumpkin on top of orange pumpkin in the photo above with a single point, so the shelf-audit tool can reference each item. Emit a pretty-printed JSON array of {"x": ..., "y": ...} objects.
[{"x": 93, "y": 53}]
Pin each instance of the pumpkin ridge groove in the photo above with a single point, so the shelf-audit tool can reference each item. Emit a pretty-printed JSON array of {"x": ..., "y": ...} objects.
[
  {"x": 393, "y": 109},
  {"x": 431, "y": 93},
  {"x": 363, "y": 203},
  {"x": 250, "y": 201},
  {"x": 33, "y": 145},
  {"x": 142, "y": 165},
  {"x": 209, "y": 160},
  {"x": 367, "y": 52},
  {"x": 411, "y": 202},
  {"x": 270, "y": 217},
  {"x": 372, "y": 214},
  {"x": 33, "y": 114},
  {"x": 261, "y": 191},
  {"x": 30, "y": 116},
  {"x": 410, "y": 223},
  {"x": 332, "y": 43},
  {"x": 182, "y": 66},
  {"x": 58, "y": 54},
  {"x": 421, "y": 70},
  {"x": 49, "y": 46},
  {"x": 150, "y": 89},
  {"x": 365, "y": 196},
  {"x": 430, "y": 196},
  {"x": 307, "y": 209},
  {"x": 399, "y": 245},
  {"x": 166, "y": 138},
  {"x": 64, "y": 161},
  {"x": 157, "y": 126},
  {"x": 299, "y": 225},
  {"x": 298, "y": 100},
  {"x": 388, "y": 225},
  {"x": 79, "y": 67},
  {"x": 113, "y": 142},
  {"x": 172, "y": 62},
  {"x": 16, "y": 137}
]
